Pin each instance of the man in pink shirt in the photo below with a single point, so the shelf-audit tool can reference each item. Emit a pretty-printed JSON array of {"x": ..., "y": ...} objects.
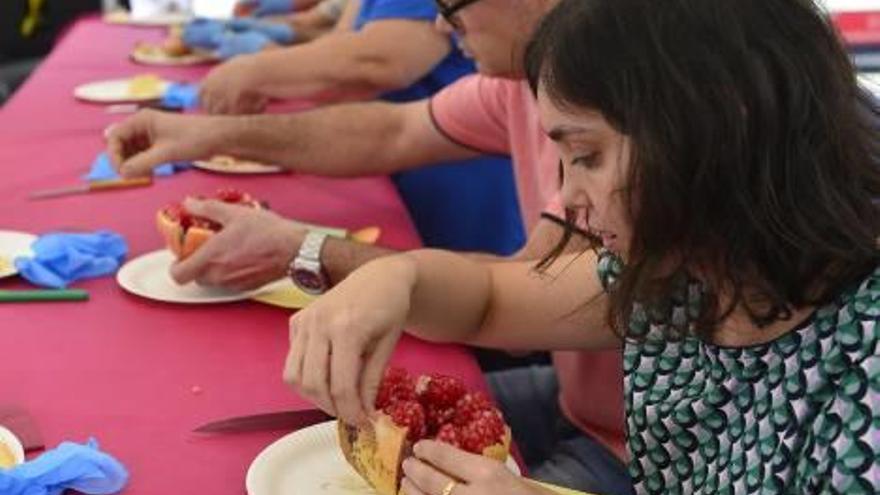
[
  {"x": 569, "y": 428},
  {"x": 502, "y": 118}
]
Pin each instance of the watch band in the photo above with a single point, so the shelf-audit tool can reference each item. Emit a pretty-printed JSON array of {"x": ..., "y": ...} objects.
[
  {"x": 306, "y": 270},
  {"x": 310, "y": 249}
]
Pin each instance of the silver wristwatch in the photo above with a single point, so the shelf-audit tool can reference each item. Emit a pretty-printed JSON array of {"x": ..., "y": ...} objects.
[{"x": 306, "y": 269}]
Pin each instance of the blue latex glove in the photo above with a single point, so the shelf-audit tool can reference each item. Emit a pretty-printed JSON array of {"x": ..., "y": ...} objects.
[
  {"x": 279, "y": 33},
  {"x": 269, "y": 7},
  {"x": 203, "y": 33},
  {"x": 234, "y": 44},
  {"x": 83, "y": 468},
  {"x": 184, "y": 96},
  {"x": 102, "y": 169},
  {"x": 62, "y": 258}
]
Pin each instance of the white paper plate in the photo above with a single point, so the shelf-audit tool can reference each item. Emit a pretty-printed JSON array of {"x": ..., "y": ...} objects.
[
  {"x": 12, "y": 245},
  {"x": 122, "y": 17},
  {"x": 147, "y": 276},
  {"x": 8, "y": 439},
  {"x": 850, "y": 5},
  {"x": 871, "y": 81},
  {"x": 153, "y": 55},
  {"x": 115, "y": 91},
  {"x": 309, "y": 462},
  {"x": 225, "y": 166}
]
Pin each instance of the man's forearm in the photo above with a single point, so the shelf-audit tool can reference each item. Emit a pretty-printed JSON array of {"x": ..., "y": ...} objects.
[
  {"x": 341, "y": 257},
  {"x": 342, "y": 141},
  {"x": 323, "y": 68}
]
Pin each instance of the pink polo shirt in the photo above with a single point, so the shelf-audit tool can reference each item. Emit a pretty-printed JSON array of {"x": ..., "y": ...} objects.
[{"x": 500, "y": 116}]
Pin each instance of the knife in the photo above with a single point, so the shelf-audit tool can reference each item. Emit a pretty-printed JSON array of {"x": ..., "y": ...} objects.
[
  {"x": 11, "y": 296},
  {"x": 94, "y": 186},
  {"x": 282, "y": 420}
]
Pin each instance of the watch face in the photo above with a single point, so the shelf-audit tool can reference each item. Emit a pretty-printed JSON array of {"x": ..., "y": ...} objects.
[{"x": 308, "y": 281}]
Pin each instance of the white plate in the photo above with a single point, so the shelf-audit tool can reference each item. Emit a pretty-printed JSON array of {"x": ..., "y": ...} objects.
[
  {"x": 309, "y": 462},
  {"x": 237, "y": 167},
  {"x": 124, "y": 18},
  {"x": 147, "y": 276},
  {"x": 871, "y": 81},
  {"x": 9, "y": 439},
  {"x": 115, "y": 91},
  {"x": 153, "y": 55},
  {"x": 12, "y": 245},
  {"x": 850, "y": 5}
]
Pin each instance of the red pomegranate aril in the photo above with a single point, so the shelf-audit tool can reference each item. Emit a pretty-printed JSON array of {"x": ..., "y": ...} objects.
[
  {"x": 437, "y": 417},
  {"x": 440, "y": 391},
  {"x": 448, "y": 434},
  {"x": 485, "y": 430},
  {"x": 408, "y": 414},
  {"x": 470, "y": 404},
  {"x": 231, "y": 196},
  {"x": 396, "y": 385}
]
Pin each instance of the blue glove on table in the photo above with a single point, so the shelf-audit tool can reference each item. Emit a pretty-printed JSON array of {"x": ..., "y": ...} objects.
[
  {"x": 268, "y": 7},
  {"x": 102, "y": 169},
  {"x": 279, "y": 33},
  {"x": 62, "y": 258},
  {"x": 235, "y": 44},
  {"x": 181, "y": 95},
  {"x": 203, "y": 33},
  {"x": 83, "y": 468}
]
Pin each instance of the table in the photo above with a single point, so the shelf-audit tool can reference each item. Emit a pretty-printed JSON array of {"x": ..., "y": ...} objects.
[{"x": 139, "y": 375}]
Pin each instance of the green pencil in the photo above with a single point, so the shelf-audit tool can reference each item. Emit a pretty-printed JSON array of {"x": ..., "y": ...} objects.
[{"x": 43, "y": 295}]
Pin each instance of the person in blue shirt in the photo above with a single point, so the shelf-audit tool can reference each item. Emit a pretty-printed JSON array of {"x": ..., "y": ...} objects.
[
  {"x": 254, "y": 33},
  {"x": 392, "y": 52}
]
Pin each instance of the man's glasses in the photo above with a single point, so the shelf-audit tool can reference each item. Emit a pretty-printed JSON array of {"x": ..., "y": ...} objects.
[{"x": 449, "y": 11}]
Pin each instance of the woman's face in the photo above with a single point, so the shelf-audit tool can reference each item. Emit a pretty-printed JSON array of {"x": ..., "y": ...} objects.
[{"x": 595, "y": 161}]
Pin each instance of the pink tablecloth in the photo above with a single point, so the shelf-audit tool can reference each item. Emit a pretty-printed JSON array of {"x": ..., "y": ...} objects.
[{"x": 136, "y": 374}]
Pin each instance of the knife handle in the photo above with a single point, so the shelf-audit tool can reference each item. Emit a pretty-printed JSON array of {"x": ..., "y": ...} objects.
[
  {"x": 107, "y": 185},
  {"x": 43, "y": 295}
]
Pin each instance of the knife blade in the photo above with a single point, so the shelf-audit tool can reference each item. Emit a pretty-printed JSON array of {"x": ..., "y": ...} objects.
[
  {"x": 281, "y": 420},
  {"x": 94, "y": 186}
]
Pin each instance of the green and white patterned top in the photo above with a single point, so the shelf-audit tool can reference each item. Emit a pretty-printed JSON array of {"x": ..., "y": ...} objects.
[{"x": 798, "y": 415}]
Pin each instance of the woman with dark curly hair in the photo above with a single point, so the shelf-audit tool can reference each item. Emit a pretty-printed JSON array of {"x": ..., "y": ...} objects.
[{"x": 721, "y": 154}]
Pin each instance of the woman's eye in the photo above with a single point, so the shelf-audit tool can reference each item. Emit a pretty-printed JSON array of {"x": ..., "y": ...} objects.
[{"x": 588, "y": 161}]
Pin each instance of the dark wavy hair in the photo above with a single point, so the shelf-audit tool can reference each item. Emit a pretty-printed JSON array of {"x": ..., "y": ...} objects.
[{"x": 754, "y": 162}]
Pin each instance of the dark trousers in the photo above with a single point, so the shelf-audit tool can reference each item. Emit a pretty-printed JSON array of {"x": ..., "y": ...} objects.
[{"x": 554, "y": 450}]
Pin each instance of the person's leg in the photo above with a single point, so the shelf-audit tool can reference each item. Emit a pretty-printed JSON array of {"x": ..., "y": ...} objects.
[
  {"x": 554, "y": 450},
  {"x": 582, "y": 463},
  {"x": 528, "y": 398}
]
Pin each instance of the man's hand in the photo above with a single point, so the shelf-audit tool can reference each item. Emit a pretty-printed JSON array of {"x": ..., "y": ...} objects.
[
  {"x": 151, "y": 138},
  {"x": 231, "y": 88},
  {"x": 254, "y": 247}
]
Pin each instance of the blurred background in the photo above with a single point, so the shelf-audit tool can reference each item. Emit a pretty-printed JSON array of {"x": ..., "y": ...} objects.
[{"x": 28, "y": 29}]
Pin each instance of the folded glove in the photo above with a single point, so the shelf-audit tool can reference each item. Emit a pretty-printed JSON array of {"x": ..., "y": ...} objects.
[
  {"x": 203, "y": 33},
  {"x": 63, "y": 258},
  {"x": 279, "y": 33},
  {"x": 102, "y": 169},
  {"x": 235, "y": 44},
  {"x": 181, "y": 95},
  {"x": 83, "y": 468}
]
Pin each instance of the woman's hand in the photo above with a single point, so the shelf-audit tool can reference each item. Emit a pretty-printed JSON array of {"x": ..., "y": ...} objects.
[
  {"x": 340, "y": 345},
  {"x": 441, "y": 469}
]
